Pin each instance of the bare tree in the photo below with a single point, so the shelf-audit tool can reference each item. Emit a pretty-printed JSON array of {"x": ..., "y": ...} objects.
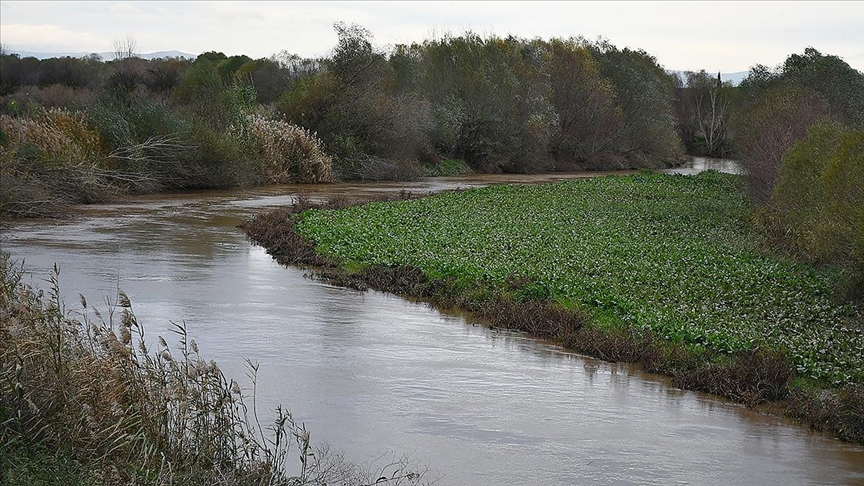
[
  {"x": 125, "y": 48},
  {"x": 711, "y": 109},
  {"x": 706, "y": 104}
]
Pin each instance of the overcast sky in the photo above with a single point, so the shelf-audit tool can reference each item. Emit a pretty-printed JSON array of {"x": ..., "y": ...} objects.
[{"x": 716, "y": 36}]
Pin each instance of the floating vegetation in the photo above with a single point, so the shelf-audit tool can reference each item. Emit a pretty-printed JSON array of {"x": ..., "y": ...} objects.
[{"x": 669, "y": 255}]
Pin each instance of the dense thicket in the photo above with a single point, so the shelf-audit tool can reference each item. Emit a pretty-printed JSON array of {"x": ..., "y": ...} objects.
[{"x": 494, "y": 104}]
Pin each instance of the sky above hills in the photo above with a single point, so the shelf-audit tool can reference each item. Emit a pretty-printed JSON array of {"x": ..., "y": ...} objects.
[{"x": 715, "y": 36}]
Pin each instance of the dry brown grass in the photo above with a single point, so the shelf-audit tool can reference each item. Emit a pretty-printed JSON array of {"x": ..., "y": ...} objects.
[
  {"x": 88, "y": 386},
  {"x": 53, "y": 158},
  {"x": 840, "y": 412},
  {"x": 57, "y": 136},
  {"x": 290, "y": 153}
]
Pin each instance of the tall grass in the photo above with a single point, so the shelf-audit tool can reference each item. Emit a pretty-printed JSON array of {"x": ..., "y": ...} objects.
[
  {"x": 288, "y": 153},
  {"x": 85, "y": 395},
  {"x": 55, "y": 157}
]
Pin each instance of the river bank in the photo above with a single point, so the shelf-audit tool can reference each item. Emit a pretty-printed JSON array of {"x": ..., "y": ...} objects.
[{"x": 650, "y": 268}]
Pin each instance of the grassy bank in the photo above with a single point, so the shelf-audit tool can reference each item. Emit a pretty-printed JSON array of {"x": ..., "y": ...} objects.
[
  {"x": 652, "y": 268},
  {"x": 85, "y": 401}
]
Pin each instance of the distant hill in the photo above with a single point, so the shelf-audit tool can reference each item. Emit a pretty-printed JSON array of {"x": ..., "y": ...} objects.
[
  {"x": 734, "y": 78},
  {"x": 107, "y": 56}
]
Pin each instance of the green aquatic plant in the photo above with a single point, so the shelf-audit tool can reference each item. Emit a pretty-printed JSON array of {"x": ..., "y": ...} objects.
[{"x": 669, "y": 255}]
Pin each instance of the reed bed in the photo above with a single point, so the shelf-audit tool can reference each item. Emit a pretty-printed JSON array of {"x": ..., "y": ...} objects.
[{"x": 85, "y": 400}]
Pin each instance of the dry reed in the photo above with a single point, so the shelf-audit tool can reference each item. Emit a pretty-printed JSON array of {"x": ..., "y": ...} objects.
[{"x": 87, "y": 385}]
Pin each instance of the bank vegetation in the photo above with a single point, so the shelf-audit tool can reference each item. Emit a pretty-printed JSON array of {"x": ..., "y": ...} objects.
[
  {"x": 80, "y": 130},
  {"x": 86, "y": 399}
]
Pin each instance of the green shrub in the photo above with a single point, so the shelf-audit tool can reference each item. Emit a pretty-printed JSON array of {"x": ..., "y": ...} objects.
[
  {"x": 216, "y": 159},
  {"x": 819, "y": 199},
  {"x": 448, "y": 167},
  {"x": 202, "y": 94}
]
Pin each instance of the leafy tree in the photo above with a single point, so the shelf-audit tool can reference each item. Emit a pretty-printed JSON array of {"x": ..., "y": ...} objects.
[
  {"x": 704, "y": 106},
  {"x": 211, "y": 56},
  {"x": 584, "y": 102},
  {"x": 227, "y": 68},
  {"x": 353, "y": 103},
  {"x": 841, "y": 86},
  {"x": 769, "y": 128},
  {"x": 492, "y": 101},
  {"x": 644, "y": 93},
  {"x": 354, "y": 60},
  {"x": 163, "y": 75},
  {"x": 268, "y": 77}
]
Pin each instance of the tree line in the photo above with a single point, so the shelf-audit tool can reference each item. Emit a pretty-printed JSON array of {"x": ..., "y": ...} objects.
[
  {"x": 500, "y": 104},
  {"x": 497, "y": 104}
]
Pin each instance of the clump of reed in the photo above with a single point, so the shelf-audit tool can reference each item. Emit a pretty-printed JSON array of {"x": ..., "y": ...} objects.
[
  {"x": 57, "y": 136},
  {"x": 86, "y": 388},
  {"x": 39, "y": 153},
  {"x": 53, "y": 157},
  {"x": 289, "y": 153},
  {"x": 89, "y": 385}
]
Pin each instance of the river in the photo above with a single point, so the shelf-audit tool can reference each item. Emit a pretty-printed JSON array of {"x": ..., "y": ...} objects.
[{"x": 377, "y": 376}]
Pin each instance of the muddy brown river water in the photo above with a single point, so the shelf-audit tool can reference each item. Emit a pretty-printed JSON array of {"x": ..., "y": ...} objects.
[{"x": 373, "y": 374}]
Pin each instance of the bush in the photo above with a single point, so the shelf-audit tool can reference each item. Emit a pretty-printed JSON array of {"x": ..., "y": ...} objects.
[
  {"x": 371, "y": 168},
  {"x": 54, "y": 137},
  {"x": 289, "y": 153},
  {"x": 202, "y": 94},
  {"x": 818, "y": 201},
  {"x": 215, "y": 159},
  {"x": 53, "y": 96},
  {"x": 448, "y": 167},
  {"x": 23, "y": 193},
  {"x": 144, "y": 141}
]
